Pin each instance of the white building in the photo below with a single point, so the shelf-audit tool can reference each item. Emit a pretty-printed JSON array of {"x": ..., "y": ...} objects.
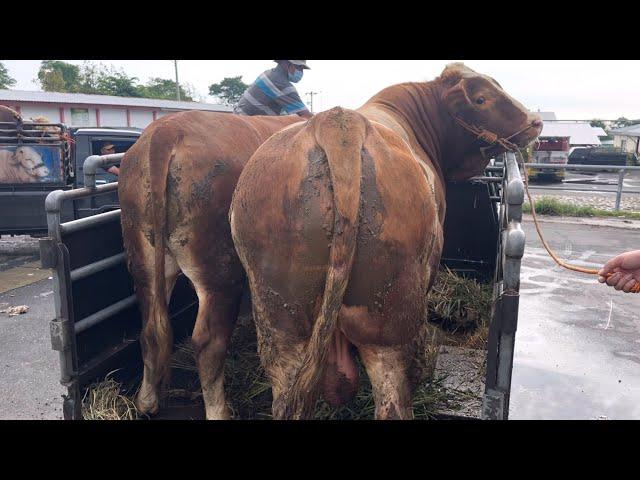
[
  {"x": 581, "y": 134},
  {"x": 80, "y": 110},
  {"x": 627, "y": 138},
  {"x": 547, "y": 115}
]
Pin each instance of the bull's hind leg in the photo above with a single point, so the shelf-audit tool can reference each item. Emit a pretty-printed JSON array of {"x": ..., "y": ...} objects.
[
  {"x": 284, "y": 361},
  {"x": 217, "y": 313},
  {"x": 387, "y": 368},
  {"x": 280, "y": 350},
  {"x": 218, "y": 284},
  {"x": 156, "y": 337}
]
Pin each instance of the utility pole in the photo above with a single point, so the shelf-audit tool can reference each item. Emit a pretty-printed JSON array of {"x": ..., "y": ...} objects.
[
  {"x": 175, "y": 63},
  {"x": 311, "y": 94}
]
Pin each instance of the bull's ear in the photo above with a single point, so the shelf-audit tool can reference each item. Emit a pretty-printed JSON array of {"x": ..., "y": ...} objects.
[
  {"x": 454, "y": 72},
  {"x": 454, "y": 93}
]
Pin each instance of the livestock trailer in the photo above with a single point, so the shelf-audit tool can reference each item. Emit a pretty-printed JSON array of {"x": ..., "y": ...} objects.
[
  {"x": 60, "y": 153},
  {"x": 97, "y": 334}
]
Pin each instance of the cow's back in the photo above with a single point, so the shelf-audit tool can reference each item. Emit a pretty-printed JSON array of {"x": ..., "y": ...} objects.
[{"x": 208, "y": 152}]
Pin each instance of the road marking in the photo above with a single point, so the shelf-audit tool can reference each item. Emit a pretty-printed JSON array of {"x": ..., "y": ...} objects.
[{"x": 610, "y": 311}]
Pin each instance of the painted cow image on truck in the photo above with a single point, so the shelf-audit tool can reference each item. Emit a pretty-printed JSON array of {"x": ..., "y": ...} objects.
[{"x": 30, "y": 164}]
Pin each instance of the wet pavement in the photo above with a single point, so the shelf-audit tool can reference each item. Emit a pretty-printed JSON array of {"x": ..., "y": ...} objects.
[
  {"x": 577, "y": 352},
  {"x": 29, "y": 368}
]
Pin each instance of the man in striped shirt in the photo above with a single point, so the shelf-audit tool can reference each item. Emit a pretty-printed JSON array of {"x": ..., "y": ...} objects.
[{"x": 273, "y": 92}]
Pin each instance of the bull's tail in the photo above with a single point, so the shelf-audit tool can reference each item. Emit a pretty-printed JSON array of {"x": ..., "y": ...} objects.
[
  {"x": 341, "y": 134},
  {"x": 162, "y": 150}
]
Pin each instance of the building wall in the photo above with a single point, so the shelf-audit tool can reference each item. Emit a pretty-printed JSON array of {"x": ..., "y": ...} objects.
[
  {"x": 51, "y": 112},
  {"x": 79, "y": 116},
  {"x": 85, "y": 115},
  {"x": 141, "y": 117},
  {"x": 627, "y": 143},
  {"x": 113, "y": 117}
]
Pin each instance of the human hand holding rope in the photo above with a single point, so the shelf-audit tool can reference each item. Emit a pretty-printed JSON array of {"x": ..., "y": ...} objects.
[{"x": 621, "y": 272}]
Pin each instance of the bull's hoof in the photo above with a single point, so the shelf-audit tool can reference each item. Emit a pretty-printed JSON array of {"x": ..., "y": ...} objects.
[
  {"x": 147, "y": 404},
  {"x": 217, "y": 413}
]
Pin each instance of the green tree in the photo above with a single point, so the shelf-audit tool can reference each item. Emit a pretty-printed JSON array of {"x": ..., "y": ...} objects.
[
  {"x": 603, "y": 125},
  {"x": 58, "y": 76},
  {"x": 165, "y": 89},
  {"x": 90, "y": 76},
  {"x": 229, "y": 90},
  {"x": 624, "y": 122},
  {"x": 99, "y": 79},
  {"x": 5, "y": 79},
  {"x": 119, "y": 85},
  {"x": 116, "y": 82}
]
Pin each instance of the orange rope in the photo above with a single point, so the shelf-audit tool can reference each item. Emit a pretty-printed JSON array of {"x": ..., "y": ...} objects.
[
  {"x": 492, "y": 138},
  {"x": 575, "y": 268}
]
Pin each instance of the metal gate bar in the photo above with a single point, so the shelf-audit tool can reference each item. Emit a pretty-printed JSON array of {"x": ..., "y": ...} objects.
[{"x": 501, "y": 342}]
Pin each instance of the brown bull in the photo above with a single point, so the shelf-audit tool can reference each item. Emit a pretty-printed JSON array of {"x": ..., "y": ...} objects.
[
  {"x": 339, "y": 225},
  {"x": 175, "y": 189}
]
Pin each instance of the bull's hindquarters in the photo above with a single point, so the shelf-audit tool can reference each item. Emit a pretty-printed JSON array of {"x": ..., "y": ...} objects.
[{"x": 337, "y": 228}]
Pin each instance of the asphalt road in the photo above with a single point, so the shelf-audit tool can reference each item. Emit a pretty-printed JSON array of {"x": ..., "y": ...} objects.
[
  {"x": 577, "y": 352},
  {"x": 29, "y": 368},
  {"x": 591, "y": 182},
  {"x": 577, "y": 347}
]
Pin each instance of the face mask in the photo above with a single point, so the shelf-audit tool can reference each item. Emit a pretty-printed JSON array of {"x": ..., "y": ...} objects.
[{"x": 296, "y": 76}]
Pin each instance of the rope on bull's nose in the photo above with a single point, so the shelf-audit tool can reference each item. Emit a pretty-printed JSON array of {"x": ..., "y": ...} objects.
[{"x": 575, "y": 268}]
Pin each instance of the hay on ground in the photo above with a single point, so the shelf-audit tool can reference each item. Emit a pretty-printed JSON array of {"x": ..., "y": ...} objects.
[
  {"x": 459, "y": 315},
  {"x": 106, "y": 401}
]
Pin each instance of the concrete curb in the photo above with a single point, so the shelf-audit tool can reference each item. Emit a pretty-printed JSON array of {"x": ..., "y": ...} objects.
[
  {"x": 591, "y": 221},
  {"x": 20, "y": 245},
  {"x": 19, "y": 250}
]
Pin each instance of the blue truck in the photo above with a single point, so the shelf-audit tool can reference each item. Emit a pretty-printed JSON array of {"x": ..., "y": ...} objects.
[{"x": 38, "y": 158}]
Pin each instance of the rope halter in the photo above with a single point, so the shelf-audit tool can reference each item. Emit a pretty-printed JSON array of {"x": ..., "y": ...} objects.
[{"x": 492, "y": 139}]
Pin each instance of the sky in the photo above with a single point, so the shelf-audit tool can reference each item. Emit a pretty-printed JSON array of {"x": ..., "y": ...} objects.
[{"x": 573, "y": 89}]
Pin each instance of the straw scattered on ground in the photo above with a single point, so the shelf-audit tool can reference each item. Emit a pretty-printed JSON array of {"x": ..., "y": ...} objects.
[
  {"x": 459, "y": 315},
  {"x": 461, "y": 307},
  {"x": 106, "y": 401}
]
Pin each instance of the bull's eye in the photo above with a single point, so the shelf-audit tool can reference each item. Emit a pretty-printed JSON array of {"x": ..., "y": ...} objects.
[{"x": 480, "y": 100}]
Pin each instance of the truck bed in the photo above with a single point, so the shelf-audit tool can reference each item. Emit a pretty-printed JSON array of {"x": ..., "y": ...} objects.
[{"x": 97, "y": 322}]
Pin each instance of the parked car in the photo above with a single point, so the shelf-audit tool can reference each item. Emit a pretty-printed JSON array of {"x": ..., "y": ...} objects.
[{"x": 602, "y": 156}]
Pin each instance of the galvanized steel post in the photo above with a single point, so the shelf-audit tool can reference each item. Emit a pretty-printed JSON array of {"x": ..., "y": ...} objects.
[{"x": 619, "y": 192}]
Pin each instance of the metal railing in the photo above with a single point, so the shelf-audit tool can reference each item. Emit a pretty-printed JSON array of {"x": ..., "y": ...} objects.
[
  {"x": 504, "y": 322},
  {"x": 90, "y": 335},
  {"x": 621, "y": 169},
  {"x": 92, "y": 163}
]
